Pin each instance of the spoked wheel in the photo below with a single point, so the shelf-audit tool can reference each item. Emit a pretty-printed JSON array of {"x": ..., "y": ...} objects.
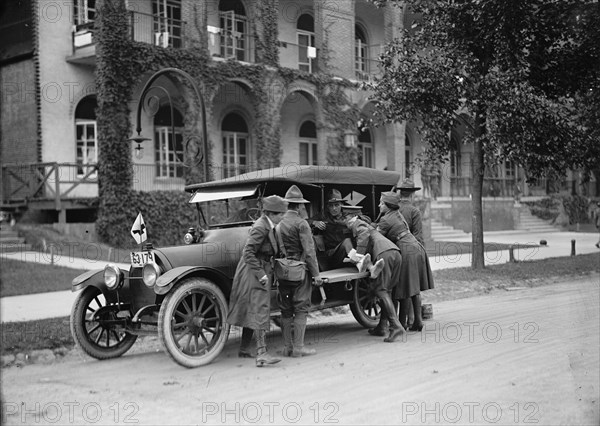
[
  {"x": 191, "y": 322},
  {"x": 364, "y": 305},
  {"x": 94, "y": 328}
]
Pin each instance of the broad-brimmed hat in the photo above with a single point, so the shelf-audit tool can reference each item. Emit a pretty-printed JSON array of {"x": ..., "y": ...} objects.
[
  {"x": 294, "y": 195},
  {"x": 390, "y": 197},
  {"x": 407, "y": 185},
  {"x": 335, "y": 196},
  {"x": 274, "y": 203}
]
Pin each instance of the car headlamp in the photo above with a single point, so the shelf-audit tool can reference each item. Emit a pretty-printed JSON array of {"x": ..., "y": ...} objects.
[
  {"x": 150, "y": 273},
  {"x": 113, "y": 276},
  {"x": 188, "y": 238}
]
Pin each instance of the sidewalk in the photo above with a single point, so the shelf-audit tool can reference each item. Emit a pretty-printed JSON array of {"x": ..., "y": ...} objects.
[{"x": 58, "y": 304}]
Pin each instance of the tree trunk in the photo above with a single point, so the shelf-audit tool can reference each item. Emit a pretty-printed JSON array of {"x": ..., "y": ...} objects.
[{"x": 477, "y": 256}]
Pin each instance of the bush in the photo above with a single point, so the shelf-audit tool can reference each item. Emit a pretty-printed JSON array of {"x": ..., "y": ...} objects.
[
  {"x": 575, "y": 206},
  {"x": 167, "y": 215}
]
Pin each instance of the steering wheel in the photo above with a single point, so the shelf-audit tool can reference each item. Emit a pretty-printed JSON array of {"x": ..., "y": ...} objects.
[{"x": 253, "y": 213}]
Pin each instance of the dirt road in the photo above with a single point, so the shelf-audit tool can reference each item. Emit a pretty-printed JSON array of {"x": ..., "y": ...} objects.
[{"x": 512, "y": 357}]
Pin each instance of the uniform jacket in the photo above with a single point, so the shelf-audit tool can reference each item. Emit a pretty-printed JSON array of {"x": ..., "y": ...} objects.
[
  {"x": 413, "y": 218},
  {"x": 368, "y": 240},
  {"x": 250, "y": 300},
  {"x": 335, "y": 231},
  {"x": 297, "y": 239}
]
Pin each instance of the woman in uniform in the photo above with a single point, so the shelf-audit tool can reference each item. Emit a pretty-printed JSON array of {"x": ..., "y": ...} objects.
[
  {"x": 250, "y": 305},
  {"x": 415, "y": 272}
]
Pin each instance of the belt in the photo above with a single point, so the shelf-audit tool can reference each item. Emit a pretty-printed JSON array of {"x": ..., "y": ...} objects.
[{"x": 402, "y": 234}]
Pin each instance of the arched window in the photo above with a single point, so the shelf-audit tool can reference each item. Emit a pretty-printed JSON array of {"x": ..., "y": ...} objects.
[
  {"x": 86, "y": 139},
  {"x": 236, "y": 146},
  {"x": 168, "y": 153},
  {"x": 234, "y": 30},
  {"x": 361, "y": 53},
  {"x": 308, "y": 143},
  {"x": 365, "y": 147},
  {"x": 305, "y": 27}
]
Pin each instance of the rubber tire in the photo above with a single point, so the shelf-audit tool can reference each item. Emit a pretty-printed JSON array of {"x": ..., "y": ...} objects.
[
  {"x": 364, "y": 299},
  {"x": 167, "y": 313},
  {"x": 80, "y": 333}
]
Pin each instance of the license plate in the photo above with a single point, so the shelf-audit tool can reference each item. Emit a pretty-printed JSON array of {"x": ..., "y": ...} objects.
[{"x": 140, "y": 258}]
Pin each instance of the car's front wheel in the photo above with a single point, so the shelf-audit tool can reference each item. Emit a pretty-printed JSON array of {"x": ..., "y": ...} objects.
[
  {"x": 96, "y": 328},
  {"x": 192, "y": 322},
  {"x": 364, "y": 305}
]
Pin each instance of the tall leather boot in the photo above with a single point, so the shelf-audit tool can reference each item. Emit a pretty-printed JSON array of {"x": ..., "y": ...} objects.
[
  {"x": 387, "y": 305},
  {"x": 404, "y": 309},
  {"x": 411, "y": 315},
  {"x": 286, "y": 331},
  {"x": 298, "y": 341},
  {"x": 381, "y": 329},
  {"x": 418, "y": 322},
  {"x": 262, "y": 356},
  {"x": 245, "y": 342}
]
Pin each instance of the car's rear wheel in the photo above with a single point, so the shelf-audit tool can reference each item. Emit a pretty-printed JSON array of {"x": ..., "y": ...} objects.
[
  {"x": 94, "y": 326},
  {"x": 192, "y": 322},
  {"x": 364, "y": 305}
]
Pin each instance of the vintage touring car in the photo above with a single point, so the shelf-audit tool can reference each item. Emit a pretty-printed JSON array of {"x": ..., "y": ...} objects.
[{"x": 182, "y": 292}]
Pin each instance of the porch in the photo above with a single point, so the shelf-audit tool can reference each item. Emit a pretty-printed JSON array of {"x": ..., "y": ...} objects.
[{"x": 67, "y": 187}]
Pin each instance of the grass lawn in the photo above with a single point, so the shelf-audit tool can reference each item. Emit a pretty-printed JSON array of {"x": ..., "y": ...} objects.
[
  {"x": 17, "y": 277},
  {"x": 449, "y": 284},
  {"x": 30, "y": 335}
]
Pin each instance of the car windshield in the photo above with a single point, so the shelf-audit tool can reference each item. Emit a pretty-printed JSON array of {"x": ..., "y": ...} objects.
[{"x": 235, "y": 210}]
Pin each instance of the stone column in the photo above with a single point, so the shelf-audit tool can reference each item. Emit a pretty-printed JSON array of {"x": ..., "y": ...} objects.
[{"x": 395, "y": 144}]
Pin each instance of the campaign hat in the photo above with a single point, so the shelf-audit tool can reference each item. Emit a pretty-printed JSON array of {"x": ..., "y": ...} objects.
[
  {"x": 274, "y": 203},
  {"x": 294, "y": 195},
  {"x": 407, "y": 185},
  {"x": 335, "y": 196}
]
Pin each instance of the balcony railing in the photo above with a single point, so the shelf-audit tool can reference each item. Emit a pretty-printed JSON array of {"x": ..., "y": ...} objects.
[
  {"x": 143, "y": 27},
  {"x": 48, "y": 182},
  {"x": 146, "y": 177},
  {"x": 460, "y": 186},
  {"x": 369, "y": 66},
  {"x": 156, "y": 30},
  {"x": 83, "y": 36}
]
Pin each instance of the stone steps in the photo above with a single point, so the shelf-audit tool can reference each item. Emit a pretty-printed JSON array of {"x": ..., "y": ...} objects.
[
  {"x": 529, "y": 222},
  {"x": 11, "y": 242},
  {"x": 440, "y": 232}
]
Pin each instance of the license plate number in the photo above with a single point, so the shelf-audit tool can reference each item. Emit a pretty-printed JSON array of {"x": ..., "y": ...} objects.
[{"x": 140, "y": 258}]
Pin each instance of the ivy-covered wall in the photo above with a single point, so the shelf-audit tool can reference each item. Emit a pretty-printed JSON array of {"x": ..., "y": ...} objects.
[{"x": 123, "y": 65}]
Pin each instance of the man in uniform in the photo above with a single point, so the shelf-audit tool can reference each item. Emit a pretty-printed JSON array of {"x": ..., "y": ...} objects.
[
  {"x": 295, "y": 235},
  {"x": 332, "y": 226}
]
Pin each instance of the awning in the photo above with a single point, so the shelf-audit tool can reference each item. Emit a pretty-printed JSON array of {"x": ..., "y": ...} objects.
[{"x": 205, "y": 195}]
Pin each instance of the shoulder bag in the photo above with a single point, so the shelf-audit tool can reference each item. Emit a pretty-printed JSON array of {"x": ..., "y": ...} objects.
[{"x": 288, "y": 269}]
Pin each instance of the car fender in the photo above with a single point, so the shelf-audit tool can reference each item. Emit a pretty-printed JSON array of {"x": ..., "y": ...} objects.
[
  {"x": 166, "y": 281},
  {"x": 95, "y": 278}
]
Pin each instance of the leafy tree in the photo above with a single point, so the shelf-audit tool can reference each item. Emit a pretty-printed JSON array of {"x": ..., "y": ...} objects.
[{"x": 522, "y": 70}]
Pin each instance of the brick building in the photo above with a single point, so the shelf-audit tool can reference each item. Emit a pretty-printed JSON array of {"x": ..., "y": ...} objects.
[{"x": 314, "y": 54}]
